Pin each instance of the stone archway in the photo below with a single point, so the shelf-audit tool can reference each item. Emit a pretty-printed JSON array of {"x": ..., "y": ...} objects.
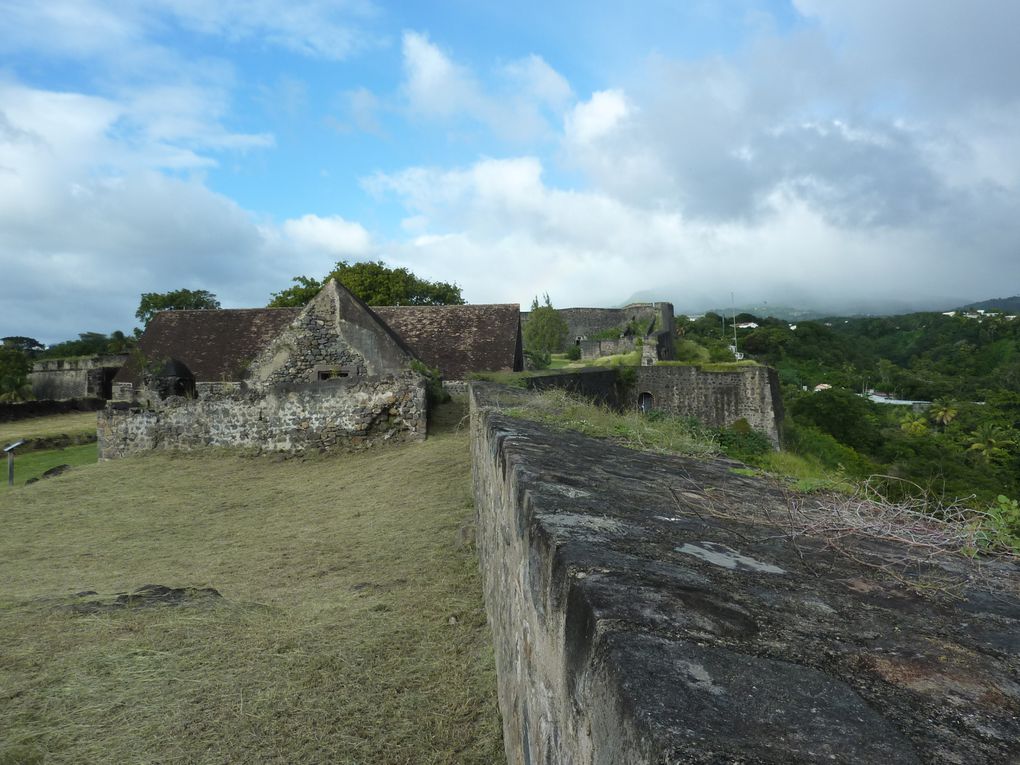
[{"x": 645, "y": 402}]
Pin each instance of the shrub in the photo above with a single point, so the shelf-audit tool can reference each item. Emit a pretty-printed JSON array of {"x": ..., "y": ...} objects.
[
  {"x": 574, "y": 352},
  {"x": 434, "y": 390},
  {"x": 537, "y": 359}
]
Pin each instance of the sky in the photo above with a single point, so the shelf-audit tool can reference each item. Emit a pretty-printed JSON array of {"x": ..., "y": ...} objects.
[{"x": 833, "y": 154}]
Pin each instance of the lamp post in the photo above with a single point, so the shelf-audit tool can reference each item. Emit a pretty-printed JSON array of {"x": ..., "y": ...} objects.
[{"x": 9, "y": 451}]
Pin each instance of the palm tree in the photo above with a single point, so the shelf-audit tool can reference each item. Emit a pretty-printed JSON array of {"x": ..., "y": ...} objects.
[
  {"x": 989, "y": 442},
  {"x": 942, "y": 412}
]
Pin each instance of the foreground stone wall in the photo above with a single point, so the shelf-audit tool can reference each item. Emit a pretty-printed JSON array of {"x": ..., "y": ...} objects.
[
  {"x": 655, "y": 609},
  {"x": 715, "y": 399},
  {"x": 332, "y": 414},
  {"x": 58, "y": 379}
]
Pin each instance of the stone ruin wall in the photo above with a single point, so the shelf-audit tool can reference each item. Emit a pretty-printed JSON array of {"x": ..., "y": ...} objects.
[
  {"x": 715, "y": 399},
  {"x": 585, "y": 322},
  {"x": 327, "y": 415},
  {"x": 645, "y": 609},
  {"x": 58, "y": 379}
]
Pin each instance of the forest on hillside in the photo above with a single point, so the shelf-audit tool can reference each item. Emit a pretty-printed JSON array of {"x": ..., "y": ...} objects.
[{"x": 964, "y": 444}]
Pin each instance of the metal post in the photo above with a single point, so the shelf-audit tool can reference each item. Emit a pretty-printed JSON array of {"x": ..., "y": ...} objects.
[{"x": 10, "y": 468}]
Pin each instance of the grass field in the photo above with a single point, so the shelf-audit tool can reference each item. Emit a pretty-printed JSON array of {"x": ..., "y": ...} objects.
[
  {"x": 74, "y": 424},
  {"x": 350, "y": 629},
  {"x": 32, "y": 464}
]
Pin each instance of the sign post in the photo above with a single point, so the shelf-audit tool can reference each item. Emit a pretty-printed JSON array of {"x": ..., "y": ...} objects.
[{"x": 9, "y": 451}]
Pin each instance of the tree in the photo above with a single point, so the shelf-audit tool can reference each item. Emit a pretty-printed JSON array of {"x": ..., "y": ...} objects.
[
  {"x": 177, "y": 300},
  {"x": 375, "y": 283},
  {"x": 546, "y": 330},
  {"x": 942, "y": 412},
  {"x": 27, "y": 344},
  {"x": 989, "y": 442},
  {"x": 15, "y": 365}
]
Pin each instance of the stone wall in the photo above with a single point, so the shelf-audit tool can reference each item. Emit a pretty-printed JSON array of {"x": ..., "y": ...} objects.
[
  {"x": 333, "y": 414},
  {"x": 715, "y": 399},
  {"x": 585, "y": 322},
  {"x": 74, "y": 378},
  {"x": 25, "y": 410},
  {"x": 603, "y": 386},
  {"x": 654, "y": 609},
  {"x": 596, "y": 349}
]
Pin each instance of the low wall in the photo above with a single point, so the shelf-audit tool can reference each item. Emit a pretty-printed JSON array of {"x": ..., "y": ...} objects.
[
  {"x": 74, "y": 378},
  {"x": 653, "y": 609},
  {"x": 715, "y": 399},
  {"x": 603, "y": 386},
  {"x": 25, "y": 410},
  {"x": 596, "y": 349},
  {"x": 333, "y": 414}
]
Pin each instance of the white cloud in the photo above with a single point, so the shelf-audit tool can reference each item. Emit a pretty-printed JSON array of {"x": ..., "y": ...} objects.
[
  {"x": 590, "y": 248},
  {"x": 519, "y": 109},
  {"x": 592, "y": 119},
  {"x": 332, "y": 235}
]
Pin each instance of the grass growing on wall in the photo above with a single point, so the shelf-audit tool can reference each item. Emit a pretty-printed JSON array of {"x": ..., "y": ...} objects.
[
  {"x": 351, "y": 628},
  {"x": 660, "y": 434}
]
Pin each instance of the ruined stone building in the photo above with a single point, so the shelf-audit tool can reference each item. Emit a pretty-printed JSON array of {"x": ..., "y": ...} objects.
[{"x": 330, "y": 374}]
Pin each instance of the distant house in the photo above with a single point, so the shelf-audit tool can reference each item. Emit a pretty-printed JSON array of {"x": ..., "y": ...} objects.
[{"x": 822, "y": 386}]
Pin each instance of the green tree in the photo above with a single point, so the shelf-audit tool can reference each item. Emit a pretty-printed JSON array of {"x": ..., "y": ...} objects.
[
  {"x": 942, "y": 412},
  {"x": 15, "y": 365},
  {"x": 27, "y": 344},
  {"x": 546, "y": 330},
  {"x": 845, "y": 416},
  {"x": 989, "y": 442},
  {"x": 177, "y": 300},
  {"x": 375, "y": 283}
]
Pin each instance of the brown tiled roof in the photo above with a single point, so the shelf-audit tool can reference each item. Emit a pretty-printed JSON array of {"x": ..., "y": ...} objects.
[
  {"x": 459, "y": 339},
  {"x": 214, "y": 344}
]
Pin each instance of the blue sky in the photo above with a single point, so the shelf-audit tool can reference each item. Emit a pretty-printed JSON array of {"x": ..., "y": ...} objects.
[{"x": 833, "y": 153}]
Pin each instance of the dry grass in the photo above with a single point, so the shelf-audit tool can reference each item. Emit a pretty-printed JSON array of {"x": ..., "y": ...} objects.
[
  {"x": 74, "y": 424},
  {"x": 351, "y": 629}
]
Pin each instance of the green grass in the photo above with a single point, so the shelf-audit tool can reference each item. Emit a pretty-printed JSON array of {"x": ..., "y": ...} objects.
[
  {"x": 33, "y": 464},
  {"x": 632, "y": 429},
  {"x": 351, "y": 628},
  {"x": 711, "y": 366},
  {"x": 73, "y": 424},
  {"x": 632, "y": 359}
]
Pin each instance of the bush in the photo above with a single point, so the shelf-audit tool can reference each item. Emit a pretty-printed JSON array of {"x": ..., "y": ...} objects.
[
  {"x": 434, "y": 390},
  {"x": 537, "y": 359},
  {"x": 574, "y": 352},
  {"x": 741, "y": 442}
]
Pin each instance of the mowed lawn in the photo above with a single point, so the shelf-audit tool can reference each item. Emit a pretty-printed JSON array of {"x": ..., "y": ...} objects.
[{"x": 350, "y": 629}]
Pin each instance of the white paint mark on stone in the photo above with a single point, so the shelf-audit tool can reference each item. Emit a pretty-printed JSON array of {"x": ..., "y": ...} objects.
[
  {"x": 726, "y": 557},
  {"x": 699, "y": 678}
]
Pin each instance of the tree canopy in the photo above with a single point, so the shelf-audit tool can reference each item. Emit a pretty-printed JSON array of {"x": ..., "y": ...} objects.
[
  {"x": 176, "y": 300},
  {"x": 27, "y": 344},
  {"x": 546, "y": 330},
  {"x": 15, "y": 364},
  {"x": 373, "y": 282}
]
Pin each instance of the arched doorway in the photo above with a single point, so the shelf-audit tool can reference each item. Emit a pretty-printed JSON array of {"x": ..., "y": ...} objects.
[{"x": 645, "y": 402}]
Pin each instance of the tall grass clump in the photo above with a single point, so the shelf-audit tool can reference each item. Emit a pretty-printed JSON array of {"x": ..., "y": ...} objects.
[{"x": 657, "y": 433}]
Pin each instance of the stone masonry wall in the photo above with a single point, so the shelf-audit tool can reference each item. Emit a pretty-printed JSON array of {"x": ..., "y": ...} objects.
[
  {"x": 333, "y": 414},
  {"x": 72, "y": 378},
  {"x": 584, "y": 322},
  {"x": 716, "y": 399},
  {"x": 596, "y": 349},
  {"x": 656, "y": 610},
  {"x": 311, "y": 343}
]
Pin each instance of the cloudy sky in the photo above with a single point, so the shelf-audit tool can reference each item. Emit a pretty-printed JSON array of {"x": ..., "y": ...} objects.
[{"x": 814, "y": 152}]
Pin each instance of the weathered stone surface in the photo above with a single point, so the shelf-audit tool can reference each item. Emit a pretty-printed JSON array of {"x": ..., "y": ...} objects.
[
  {"x": 635, "y": 621},
  {"x": 326, "y": 415}
]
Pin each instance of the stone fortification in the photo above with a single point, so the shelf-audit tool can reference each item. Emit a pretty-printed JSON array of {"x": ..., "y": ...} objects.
[
  {"x": 715, "y": 399},
  {"x": 25, "y": 410},
  {"x": 332, "y": 414},
  {"x": 655, "y": 609},
  {"x": 58, "y": 379},
  {"x": 582, "y": 323}
]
